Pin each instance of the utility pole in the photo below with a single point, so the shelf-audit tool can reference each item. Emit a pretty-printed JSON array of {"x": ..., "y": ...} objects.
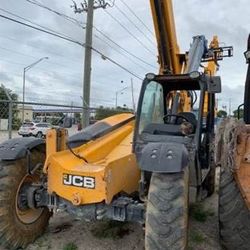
[
  {"x": 88, "y": 6},
  {"x": 217, "y": 103},
  {"x": 132, "y": 92},
  {"x": 229, "y": 108},
  {"x": 87, "y": 64}
]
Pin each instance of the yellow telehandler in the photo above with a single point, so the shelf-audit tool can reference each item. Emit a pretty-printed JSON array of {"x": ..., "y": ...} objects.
[{"x": 143, "y": 168}]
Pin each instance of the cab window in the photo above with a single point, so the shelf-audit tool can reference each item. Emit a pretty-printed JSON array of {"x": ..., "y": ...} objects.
[{"x": 152, "y": 110}]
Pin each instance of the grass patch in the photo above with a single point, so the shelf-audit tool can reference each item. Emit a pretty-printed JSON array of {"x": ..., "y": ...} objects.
[
  {"x": 197, "y": 237},
  {"x": 198, "y": 212},
  {"x": 110, "y": 229},
  {"x": 70, "y": 246}
]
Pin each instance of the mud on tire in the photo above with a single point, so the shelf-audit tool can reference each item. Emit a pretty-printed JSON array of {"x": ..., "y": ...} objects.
[
  {"x": 167, "y": 212},
  {"x": 234, "y": 217},
  {"x": 18, "y": 229}
]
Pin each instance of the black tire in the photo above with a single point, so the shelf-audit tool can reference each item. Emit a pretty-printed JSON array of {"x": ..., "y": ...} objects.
[
  {"x": 167, "y": 212},
  {"x": 234, "y": 216},
  {"x": 15, "y": 231}
]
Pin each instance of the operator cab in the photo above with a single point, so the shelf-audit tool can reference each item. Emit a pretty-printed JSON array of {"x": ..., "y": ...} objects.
[
  {"x": 161, "y": 111},
  {"x": 175, "y": 108}
]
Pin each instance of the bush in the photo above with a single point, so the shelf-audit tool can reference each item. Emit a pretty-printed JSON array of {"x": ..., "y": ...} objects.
[
  {"x": 104, "y": 112},
  {"x": 16, "y": 123}
]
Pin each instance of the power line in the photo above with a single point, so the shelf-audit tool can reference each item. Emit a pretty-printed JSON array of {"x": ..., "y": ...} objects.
[
  {"x": 41, "y": 30},
  {"x": 68, "y": 18},
  {"x": 116, "y": 63},
  {"x": 31, "y": 22},
  {"x": 118, "y": 51},
  {"x": 101, "y": 85},
  {"x": 125, "y": 50},
  {"x": 73, "y": 41},
  {"x": 80, "y": 24},
  {"x": 131, "y": 21},
  {"x": 36, "y": 47},
  {"x": 72, "y": 76},
  {"x": 131, "y": 34},
  {"x": 73, "y": 97},
  {"x": 38, "y": 88},
  {"x": 44, "y": 70},
  {"x": 26, "y": 55},
  {"x": 63, "y": 101},
  {"x": 96, "y": 5},
  {"x": 138, "y": 18}
]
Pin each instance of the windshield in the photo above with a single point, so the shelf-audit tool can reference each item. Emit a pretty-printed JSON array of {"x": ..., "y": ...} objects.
[
  {"x": 162, "y": 102},
  {"x": 152, "y": 110}
]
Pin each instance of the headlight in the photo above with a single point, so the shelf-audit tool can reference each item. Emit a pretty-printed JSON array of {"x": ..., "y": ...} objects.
[
  {"x": 150, "y": 76},
  {"x": 194, "y": 74}
]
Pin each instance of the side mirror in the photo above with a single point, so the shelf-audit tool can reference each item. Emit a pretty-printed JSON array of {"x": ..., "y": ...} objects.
[
  {"x": 214, "y": 84},
  {"x": 67, "y": 122}
]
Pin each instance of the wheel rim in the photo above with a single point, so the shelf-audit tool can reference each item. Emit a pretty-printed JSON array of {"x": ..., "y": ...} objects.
[{"x": 27, "y": 215}]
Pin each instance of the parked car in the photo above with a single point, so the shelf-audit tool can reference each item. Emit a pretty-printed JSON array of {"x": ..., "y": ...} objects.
[{"x": 34, "y": 129}]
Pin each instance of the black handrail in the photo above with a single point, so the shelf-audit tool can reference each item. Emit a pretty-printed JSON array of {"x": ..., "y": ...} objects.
[{"x": 238, "y": 110}]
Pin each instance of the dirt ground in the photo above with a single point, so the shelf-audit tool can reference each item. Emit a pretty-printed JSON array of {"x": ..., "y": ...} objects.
[{"x": 66, "y": 233}]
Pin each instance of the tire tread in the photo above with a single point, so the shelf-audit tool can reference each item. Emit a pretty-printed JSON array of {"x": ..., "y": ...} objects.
[
  {"x": 166, "y": 217},
  {"x": 234, "y": 216},
  {"x": 13, "y": 233}
]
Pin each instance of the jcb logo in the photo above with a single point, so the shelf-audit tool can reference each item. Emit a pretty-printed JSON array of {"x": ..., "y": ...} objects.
[{"x": 79, "y": 181}]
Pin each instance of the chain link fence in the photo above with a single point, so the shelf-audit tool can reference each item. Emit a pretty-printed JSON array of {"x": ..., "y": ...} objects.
[{"x": 13, "y": 114}]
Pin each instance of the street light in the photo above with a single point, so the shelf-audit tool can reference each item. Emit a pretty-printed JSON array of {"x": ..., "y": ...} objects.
[
  {"x": 24, "y": 72},
  {"x": 117, "y": 92}
]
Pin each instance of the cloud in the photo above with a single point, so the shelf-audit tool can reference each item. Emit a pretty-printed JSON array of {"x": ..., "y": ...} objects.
[
  {"x": 59, "y": 79},
  {"x": 5, "y": 77},
  {"x": 231, "y": 97}
]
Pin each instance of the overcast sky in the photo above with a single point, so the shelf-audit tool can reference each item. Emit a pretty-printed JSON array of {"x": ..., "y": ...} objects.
[{"x": 59, "y": 79}]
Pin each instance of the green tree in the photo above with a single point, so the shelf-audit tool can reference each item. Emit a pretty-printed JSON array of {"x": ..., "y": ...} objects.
[
  {"x": 103, "y": 112},
  {"x": 222, "y": 113},
  {"x": 4, "y": 107},
  {"x": 241, "y": 113}
]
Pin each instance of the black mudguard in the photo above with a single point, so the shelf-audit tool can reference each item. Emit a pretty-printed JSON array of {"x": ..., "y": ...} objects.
[
  {"x": 17, "y": 148},
  {"x": 163, "y": 157}
]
